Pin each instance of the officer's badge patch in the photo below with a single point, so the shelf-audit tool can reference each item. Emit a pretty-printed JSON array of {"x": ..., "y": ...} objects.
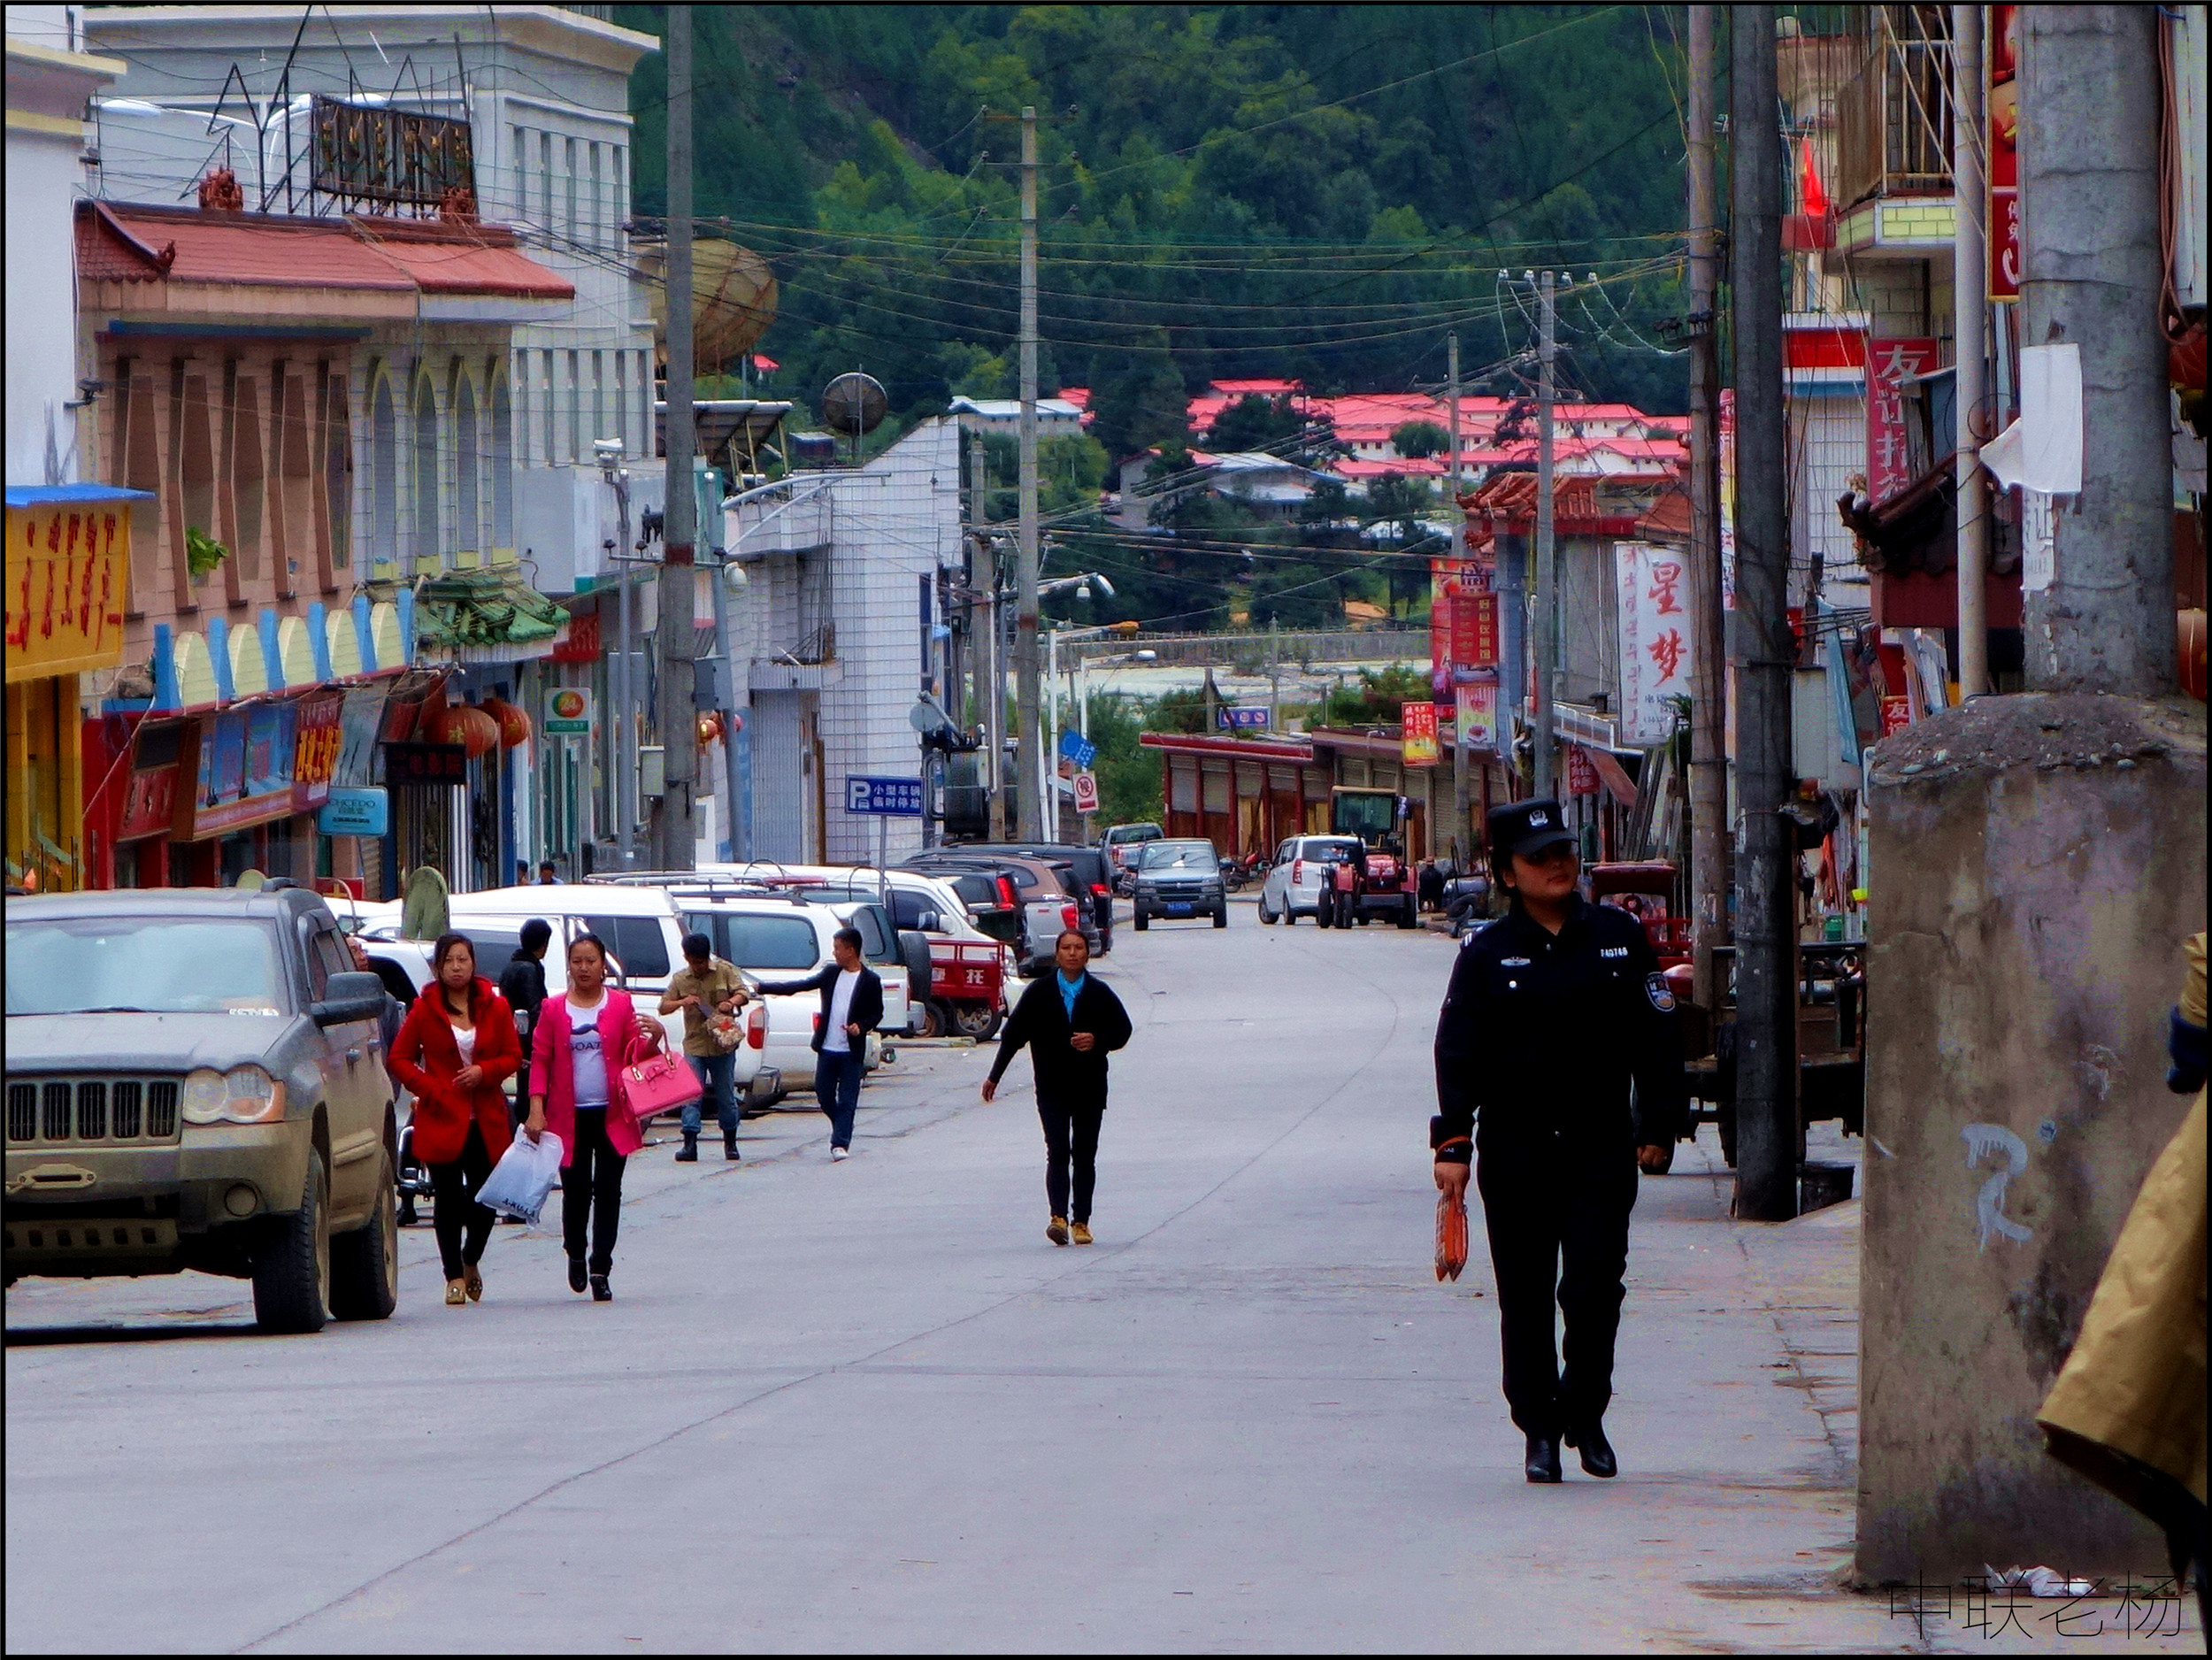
[{"x": 1656, "y": 988}]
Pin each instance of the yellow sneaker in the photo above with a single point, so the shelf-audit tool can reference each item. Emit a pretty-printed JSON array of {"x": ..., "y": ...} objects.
[
  {"x": 1080, "y": 1233},
  {"x": 1056, "y": 1229}
]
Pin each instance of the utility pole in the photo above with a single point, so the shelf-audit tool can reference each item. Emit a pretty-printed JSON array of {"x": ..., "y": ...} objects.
[
  {"x": 2100, "y": 601},
  {"x": 1710, "y": 838},
  {"x": 1547, "y": 561},
  {"x": 676, "y": 717},
  {"x": 990, "y": 669},
  {"x": 1766, "y": 944},
  {"x": 1970, "y": 301},
  {"x": 1032, "y": 745},
  {"x": 1462, "y": 837}
]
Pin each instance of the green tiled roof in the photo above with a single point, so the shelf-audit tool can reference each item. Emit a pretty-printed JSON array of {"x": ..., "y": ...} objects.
[{"x": 484, "y": 607}]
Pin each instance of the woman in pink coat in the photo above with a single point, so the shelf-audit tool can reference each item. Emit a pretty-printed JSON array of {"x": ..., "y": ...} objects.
[{"x": 577, "y": 1054}]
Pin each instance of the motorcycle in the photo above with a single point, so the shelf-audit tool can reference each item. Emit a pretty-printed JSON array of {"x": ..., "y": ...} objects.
[
  {"x": 1466, "y": 903},
  {"x": 1236, "y": 873}
]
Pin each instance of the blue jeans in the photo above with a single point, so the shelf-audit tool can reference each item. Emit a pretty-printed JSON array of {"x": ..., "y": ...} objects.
[
  {"x": 715, "y": 1074},
  {"x": 837, "y": 1087}
]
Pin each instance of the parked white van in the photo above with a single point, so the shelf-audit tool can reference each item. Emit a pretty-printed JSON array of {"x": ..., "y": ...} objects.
[{"x": 1300, "y": 874}]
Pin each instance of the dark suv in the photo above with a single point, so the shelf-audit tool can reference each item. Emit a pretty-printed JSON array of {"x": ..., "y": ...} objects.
[
  {"x": 196, "y": 1080},
  {"x": 1093, "y": 874}
]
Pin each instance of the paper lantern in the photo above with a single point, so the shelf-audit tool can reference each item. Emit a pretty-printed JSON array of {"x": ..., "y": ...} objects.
[
  {"x": 470, "y": 727},
  {"x": 709, "y": 728},
  {"x": 514, "y": 723}
]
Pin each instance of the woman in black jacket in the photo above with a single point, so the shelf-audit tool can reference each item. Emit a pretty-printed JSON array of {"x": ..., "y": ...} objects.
[{"x": 1071, "y": 1022}]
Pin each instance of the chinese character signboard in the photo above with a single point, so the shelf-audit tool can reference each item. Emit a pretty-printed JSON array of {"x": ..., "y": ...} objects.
[
  {"x": 1474, "y": 634},
  {"x": 1890, "y": 366},
  {"x": 2003, "y": 105},
  {"x": 1417, "y": 745},
  {"x": 1462, "y": 622},
  {"x": 1478, "y": 715},
  {"x": 885, "y": 797},
  {"x": 315, "y": 749},
  {"x": 579, "y": 639},
  {"x": 1582, "y": 774},
  {"x": 425, "y": 764},
  {"x": 68, "y": 572},
  {"x": 1657, "y": 654}
]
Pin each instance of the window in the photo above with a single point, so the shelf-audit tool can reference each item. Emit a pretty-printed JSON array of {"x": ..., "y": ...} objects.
[
  {"x": 599, "y": 401},
  {"x": 467, "y": 527},
  {"x": 622, "y": 397},
  {"x": 908, "y": 908},
  {"x": 383, "y": 474},
  {"x": 593, "y": 207},
  {"x": 426, "y": 480},
  {"x": 502, "y": 467},
  {"x": 153, "y": 965},
  {"x": 338, "y": 472},
  {"x": 767, "y": 942},
  {"x": 568, "y": 183},
  {"x": 545, "y": 180},
  {"x": 874, "y": 944},
  {"x": 545, "y": 387},
  {"x": 636, "y": 941},
  {"x": 576, "y": 440},
  {"x": 646, "y": 446},
  {"x": 621, "y": 187},
  {"x": 521, "y": 137}
]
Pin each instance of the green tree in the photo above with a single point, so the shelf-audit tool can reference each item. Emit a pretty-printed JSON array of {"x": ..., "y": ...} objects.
[
  {"x": 1254, "y": 422},
  {"x": 1142, "y": 402},
  {"x": 1416, "y": 440},
  {"x": 1128, "y": 775},
  {"x": 1379, "y": 698}
]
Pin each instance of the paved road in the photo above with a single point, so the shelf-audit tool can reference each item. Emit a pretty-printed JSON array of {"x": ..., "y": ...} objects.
[{"x": 869, "y": 1406}]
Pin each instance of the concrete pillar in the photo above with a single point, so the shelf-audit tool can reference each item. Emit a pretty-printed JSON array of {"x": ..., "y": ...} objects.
[
  {"x": 2038, "y": 861},
  {"x": 2089, "y": 113}
]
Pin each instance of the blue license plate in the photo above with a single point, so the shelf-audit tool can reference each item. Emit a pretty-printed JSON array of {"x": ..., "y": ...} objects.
[{"x": 1179, "y": 909}]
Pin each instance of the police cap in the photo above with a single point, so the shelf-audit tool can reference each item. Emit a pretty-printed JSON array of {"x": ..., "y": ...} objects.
[{"x": 1528, "y": 827}]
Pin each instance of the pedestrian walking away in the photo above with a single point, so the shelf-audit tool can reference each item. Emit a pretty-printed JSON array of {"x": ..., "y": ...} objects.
[
  {"x": 852, "y": 1007},
  {"x": 708, "y": 990},
  {"x": 455, "y": 1048},
  {"x": 522, "y": 983},
  {"x": 1070, "y": 1021},
  {"x": 1554, "y": 1012},
  {"x": 1343, "y": 887},
  {"x": 583, "y": 1041}
]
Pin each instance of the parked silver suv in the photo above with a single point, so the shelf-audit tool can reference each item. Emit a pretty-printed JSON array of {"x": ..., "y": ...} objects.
[{"x": 196, "y": 1080}]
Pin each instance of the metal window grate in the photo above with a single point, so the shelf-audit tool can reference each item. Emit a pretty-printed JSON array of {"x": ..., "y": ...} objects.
[
  {"x": 92, "y": 1111},
  {"x": 54, "y": 1126},
  {"x": 126, "y": 1104},
  {"x": 161, "y": 1110}
]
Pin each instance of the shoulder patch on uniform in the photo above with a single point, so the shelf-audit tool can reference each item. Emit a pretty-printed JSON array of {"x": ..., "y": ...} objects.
[{"x": 1656, "y": 988}]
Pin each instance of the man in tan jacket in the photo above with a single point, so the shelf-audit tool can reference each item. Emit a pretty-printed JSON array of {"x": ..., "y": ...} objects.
[{"x": 2128, "y": 1410}]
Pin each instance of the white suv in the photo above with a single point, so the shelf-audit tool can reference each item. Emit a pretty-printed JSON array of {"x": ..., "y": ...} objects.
[{"x": 1296, "y": 879}]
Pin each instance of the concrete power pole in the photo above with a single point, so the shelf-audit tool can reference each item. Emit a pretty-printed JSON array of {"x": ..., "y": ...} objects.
[
  {"x": 1461, "y": 836},
  {"x": 1547, "y": 654},
  {"x": 1029, "y": 758},
  {"x": 2093, "y": 275},
  {"x": 1766, "y": 954},
  {"x": 1709, "y": 684},
  {"x": 990, "y": 662},
  {"x": 676, "y": 718},
  {"x": 1969, "y": 300}
]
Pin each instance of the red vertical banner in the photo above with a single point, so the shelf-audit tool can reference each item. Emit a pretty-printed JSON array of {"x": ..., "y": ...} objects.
[
  {"x": 1418, "y": 745},
  {"x": 1891, "y": 365},
  {"x": 2001, "y": 51},
  {"x": 1582, "y": 774}
]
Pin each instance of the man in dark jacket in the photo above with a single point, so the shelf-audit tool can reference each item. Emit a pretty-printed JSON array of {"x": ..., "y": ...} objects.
[
  {"x": 522, "y": 983},
  {"x": 852, "y": 1007},
  {"x": 1554, "y": 1012},
  {"x": 1071, "y": 1022}
]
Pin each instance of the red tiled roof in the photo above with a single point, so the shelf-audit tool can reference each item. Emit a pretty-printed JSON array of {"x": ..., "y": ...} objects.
[
  {"x": 132, "y": 242},
  {"x": 464, "y": 260},
  {"x": 1670, "y": 515}
]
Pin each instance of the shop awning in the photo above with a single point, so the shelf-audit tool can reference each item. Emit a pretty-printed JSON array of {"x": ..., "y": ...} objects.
[{"x": 471, "y": 612}]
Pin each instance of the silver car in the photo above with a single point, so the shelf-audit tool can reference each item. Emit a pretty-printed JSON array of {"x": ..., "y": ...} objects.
[
  {"x": 1179, "y": 878},
  {"x": 1299, "y": 876}
]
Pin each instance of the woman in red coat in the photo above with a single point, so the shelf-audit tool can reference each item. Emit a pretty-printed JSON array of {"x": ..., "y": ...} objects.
[{"x": 458, "y": 1043}]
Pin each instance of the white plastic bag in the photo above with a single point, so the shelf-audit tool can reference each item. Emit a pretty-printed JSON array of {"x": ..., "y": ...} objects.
[{"x": 525, "y": 1174}]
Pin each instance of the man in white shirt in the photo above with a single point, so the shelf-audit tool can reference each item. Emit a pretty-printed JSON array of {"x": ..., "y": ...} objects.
[{"x": 852, "y": 1007}]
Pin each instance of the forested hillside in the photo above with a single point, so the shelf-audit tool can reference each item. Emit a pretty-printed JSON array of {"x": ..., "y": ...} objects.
[{"x": 1317, "y": 191}]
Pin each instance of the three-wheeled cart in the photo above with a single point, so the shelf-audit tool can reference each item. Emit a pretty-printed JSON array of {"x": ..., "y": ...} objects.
[{"x": 967, "y": 988}]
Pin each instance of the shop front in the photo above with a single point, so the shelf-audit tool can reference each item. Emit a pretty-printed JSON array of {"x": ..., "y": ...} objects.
[{"x": 68, "y": 570}]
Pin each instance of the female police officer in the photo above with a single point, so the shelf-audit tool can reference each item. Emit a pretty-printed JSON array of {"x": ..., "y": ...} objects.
[{"x": 1553, "y": 1011}]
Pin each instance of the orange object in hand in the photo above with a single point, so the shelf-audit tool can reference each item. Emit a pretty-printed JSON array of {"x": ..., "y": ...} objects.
[{"x": 1451, "y": 1236}]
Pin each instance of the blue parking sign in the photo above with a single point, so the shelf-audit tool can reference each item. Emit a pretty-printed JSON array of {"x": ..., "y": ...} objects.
[
  {"x": 886, "y": 797},
  {"x": 1079, "y": 749}
]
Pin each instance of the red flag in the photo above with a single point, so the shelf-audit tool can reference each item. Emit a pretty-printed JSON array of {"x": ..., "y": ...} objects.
[{"x": 1815, "y": 199}]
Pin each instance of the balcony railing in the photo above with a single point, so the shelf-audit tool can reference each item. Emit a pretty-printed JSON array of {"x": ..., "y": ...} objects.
[{"x": 1894, "y": 117}]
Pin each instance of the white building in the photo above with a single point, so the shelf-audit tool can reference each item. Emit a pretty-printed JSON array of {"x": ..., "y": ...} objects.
[
  {"x": 546, "y": 92},
  {"x": 1056, "y": 417},
  {"x": 835, "y": 633},
  {"x": 50, "y": 80}
]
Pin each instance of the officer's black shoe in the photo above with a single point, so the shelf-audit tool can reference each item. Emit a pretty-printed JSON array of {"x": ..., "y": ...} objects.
[
  {"x": 1543, "y": 1458},
  {"x": 690, "y": 1153},
  {"x": 1597, "y": 1452}
]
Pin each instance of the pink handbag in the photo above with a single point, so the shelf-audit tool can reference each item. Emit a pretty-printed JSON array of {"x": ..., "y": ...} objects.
[{"x": 657, "y": 1084}]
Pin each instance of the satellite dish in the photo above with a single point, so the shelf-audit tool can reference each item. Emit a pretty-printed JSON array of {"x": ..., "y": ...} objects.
[{"x": 854, "y": 404}]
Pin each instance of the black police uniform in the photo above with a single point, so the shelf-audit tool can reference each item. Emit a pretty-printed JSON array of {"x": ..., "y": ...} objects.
[{"x": 1541, "y": 1037}]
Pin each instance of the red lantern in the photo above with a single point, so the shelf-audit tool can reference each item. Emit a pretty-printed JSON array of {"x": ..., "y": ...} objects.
[
  {"x": 709, "y": 728},
  {"x": 514, "y": 724},
  {"x": 470, "y": 727}
]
